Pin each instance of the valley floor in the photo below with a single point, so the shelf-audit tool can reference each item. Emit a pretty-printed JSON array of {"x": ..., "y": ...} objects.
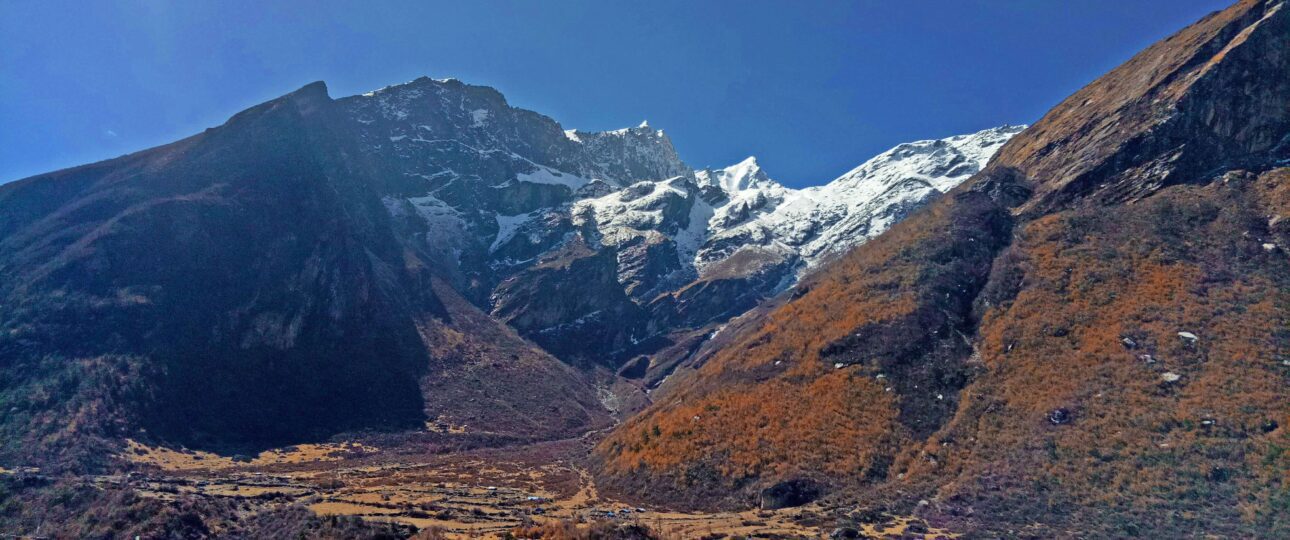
[{"x": 470, "y": 494}]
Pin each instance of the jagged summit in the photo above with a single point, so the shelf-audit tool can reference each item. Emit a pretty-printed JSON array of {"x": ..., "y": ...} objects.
[
  {"x": 742, "y": 176},
  {"x": 316, "y": 87},
  {"x": 817, "y": 222},
  {"x": 423, "y": 80}
]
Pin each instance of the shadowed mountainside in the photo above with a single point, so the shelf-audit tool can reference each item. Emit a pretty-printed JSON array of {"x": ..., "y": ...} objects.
[{"x": 242, "y": 287}]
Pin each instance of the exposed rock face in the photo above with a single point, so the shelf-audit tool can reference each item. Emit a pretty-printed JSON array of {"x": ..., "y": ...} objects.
[
  {"x": 486, "y": 185},
  {"x": 1207, "y": 99},
  {"x": 574, "y": 279},
  {"x": 974, "y": 355},
  {"x": 726, "y": 289}
]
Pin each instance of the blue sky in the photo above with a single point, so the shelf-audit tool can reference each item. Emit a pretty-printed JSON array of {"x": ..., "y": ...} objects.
[{"x": 812, "y": 87}]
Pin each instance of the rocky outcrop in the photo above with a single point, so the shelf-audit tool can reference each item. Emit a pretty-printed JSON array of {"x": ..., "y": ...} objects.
[
  {"x": 788, "y": 494},
  {"x": 572, "y": 304},
  {"x": 1207, "y": 99},
  {"x": 737, "y": 285}
]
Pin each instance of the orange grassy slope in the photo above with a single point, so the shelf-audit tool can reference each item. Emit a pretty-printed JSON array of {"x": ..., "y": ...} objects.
[{"x": 1020, "y": 354}]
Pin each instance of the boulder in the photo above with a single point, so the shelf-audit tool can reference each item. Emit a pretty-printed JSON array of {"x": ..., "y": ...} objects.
[
  {"x": 845, "y": 533},
  {"x": 635, "y": 368},
  {"x": 789, "y": 493},
  {"x": 1059, "y": 416}
]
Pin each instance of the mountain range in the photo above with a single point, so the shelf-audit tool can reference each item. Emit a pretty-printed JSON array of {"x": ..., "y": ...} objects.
[
  {"x": 1079, "y": 328},
  {"x": 424, "y": 252}
]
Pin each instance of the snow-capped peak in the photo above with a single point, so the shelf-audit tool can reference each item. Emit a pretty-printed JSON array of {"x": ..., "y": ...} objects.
[
  {"x": 742, "y": 176},
  {"x": 942, "y": 163},
  {"x": 496, "y": 189},
  {"x": 630, "y": 187},
  {"x": 631, "y": 154},
  {"x": 723, "y": 212},
  {"x": 815, "y": 223}
]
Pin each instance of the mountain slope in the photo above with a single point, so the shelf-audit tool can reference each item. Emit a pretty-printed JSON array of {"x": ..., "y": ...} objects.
[
  {"x": 1088, "y": 338},
  {"x": 695, "y": 251},
  {"x": 240, "y": 288}
]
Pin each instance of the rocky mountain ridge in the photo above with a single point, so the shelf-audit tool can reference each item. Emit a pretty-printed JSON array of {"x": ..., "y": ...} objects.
[{"x": 499, "y": 193}]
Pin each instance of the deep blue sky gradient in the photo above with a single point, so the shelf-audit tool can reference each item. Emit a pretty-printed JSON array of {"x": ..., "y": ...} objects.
[{"x": 812, "y": 88}]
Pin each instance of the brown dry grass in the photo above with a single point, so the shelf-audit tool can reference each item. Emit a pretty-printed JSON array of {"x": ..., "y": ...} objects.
[{"x": 770, "y": 405}]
